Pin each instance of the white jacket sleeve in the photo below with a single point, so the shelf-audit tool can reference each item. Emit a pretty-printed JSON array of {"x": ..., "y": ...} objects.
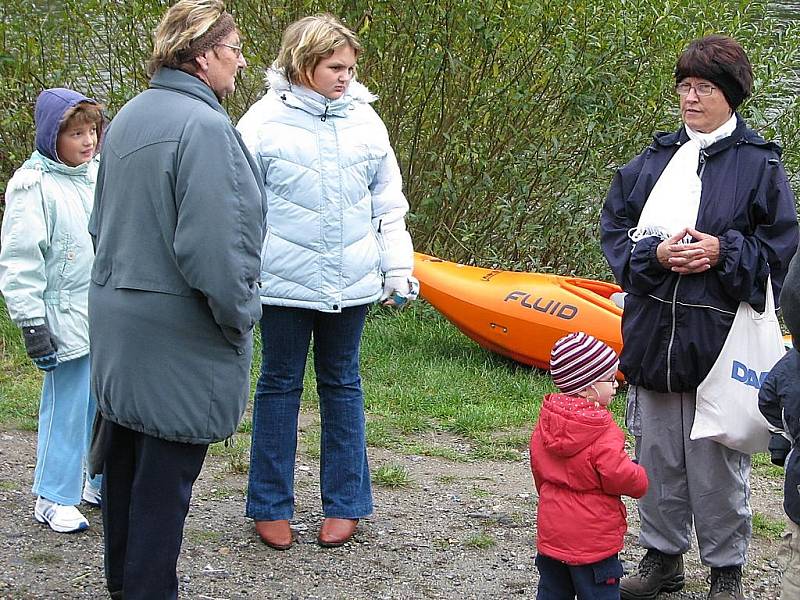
[
  {"x": 24, "y": 242},
  {"x": 389, "y": 208}
]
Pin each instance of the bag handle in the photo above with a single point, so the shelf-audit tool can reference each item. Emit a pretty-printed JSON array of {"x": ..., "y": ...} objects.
[{"x": 769, "y": 303}]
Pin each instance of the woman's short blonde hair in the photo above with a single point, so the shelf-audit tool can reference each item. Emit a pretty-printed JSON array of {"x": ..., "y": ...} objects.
[
  {"x": 307, "y": 41},
  {"x": 180, "y": 29}
]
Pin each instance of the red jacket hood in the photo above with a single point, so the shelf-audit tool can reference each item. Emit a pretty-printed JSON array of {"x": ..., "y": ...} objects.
[{"x": 570, "y": 423}]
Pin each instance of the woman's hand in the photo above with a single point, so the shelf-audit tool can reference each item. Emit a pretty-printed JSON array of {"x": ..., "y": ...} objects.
[
  {"x": 690, "y": 258},
  {"x": 397, "y": 290}
]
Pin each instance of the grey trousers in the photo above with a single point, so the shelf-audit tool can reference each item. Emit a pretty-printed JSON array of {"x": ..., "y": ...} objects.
[{"x": 690, "y": 480}]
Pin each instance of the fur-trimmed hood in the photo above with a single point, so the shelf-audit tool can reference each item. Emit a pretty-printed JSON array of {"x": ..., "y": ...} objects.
[{"x": 307, "y": 99}]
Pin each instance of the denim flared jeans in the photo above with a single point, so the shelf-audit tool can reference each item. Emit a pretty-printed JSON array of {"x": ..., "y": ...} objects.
[
  {"x": 286, "y": 334},
  {"x": 66, "y": 414}
]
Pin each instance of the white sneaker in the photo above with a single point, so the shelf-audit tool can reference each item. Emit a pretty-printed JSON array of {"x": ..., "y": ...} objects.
[
  {"x": 91, "y": 495},
  {"x": 61, "y": 518}
]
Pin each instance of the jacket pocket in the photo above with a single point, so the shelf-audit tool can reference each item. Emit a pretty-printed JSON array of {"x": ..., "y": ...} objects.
[
  {"x": 100, "y": 273},
  {"x": 380, "y": 243},
  {"x": 59, "y": 299},
  {"x": 608, "y": 571}
]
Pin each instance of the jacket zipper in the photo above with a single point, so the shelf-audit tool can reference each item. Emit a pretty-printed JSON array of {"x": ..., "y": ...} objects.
[
  {"x": 672, "y": 335},
  {"x": 324, "y": 116},
  {"x": 701, "y": 169}
]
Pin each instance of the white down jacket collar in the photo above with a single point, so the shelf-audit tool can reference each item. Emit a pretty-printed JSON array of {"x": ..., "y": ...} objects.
[{"x": 312, "y": 102}]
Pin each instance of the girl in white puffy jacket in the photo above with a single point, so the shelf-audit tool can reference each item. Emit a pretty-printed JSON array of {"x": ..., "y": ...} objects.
[
  {"x": 336, "y": 242},
  {"x": 45, "y": 258}
]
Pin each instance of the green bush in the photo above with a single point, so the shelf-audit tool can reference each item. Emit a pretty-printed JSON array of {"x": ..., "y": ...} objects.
[{"x": 508, "y": 117}]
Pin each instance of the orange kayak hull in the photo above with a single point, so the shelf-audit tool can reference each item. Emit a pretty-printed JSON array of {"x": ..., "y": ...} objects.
[{"x": 519, "y": 315}]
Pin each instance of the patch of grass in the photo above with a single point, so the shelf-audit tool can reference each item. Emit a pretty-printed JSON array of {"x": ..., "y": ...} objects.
[
  {"x": 766, "y": 527},
  {"x": 480, "y": 492},
  {"x": 480, "y": 541},
  {"x": 20, "y": 380},
  {"x": 763, "y": 466},
  {"x": 393, "y": 476},
  {"x": 44, "y": 557},
  {"x": 447, "y": 479},
  {"x": 381, "y": 434},
  {"x": 202, "y": 536},
  {"x": 236, "y": 451},
  {"x": 9, "y": 486},
  {"x": 436, "y": 451},
  {"x": 419, "y": 368},
  {"x": 310, "y": 439},
  {"x": 495, "y": 450}
]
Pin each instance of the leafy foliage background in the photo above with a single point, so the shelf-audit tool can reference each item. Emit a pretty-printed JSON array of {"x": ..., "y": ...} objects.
[{"x": 508, "y": 116}]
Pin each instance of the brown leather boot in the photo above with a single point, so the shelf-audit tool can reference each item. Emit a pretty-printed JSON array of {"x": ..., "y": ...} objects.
[
  {"x": 657, "y": 573},
  {"x": 726, "y": 584},
  {"x": 336, "y": 532},
  {"x": 275, "y": 534}
]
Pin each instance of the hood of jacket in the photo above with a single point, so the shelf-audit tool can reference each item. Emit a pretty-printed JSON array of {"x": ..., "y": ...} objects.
[
  {"x": 38, "y": 162},
  {"x": 298, "y": 96},
  {"x": 569, "y": 423},
  {"x": 51, "y": 105}
]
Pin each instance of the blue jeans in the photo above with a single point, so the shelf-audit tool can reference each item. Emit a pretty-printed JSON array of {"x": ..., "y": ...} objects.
[
  {"x": 595, "y": 581},
  {"x": 344, "y": 472},
  {"x": 66, "y": 415}
]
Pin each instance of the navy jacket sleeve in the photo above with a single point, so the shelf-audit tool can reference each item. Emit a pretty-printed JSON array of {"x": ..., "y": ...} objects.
[
  {"x": 747, "y": 258},
  {"x": 635, "y": 267},
  {"x": 769, "y": 402}
]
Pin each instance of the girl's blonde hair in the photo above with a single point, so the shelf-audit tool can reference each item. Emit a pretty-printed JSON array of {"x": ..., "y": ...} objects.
[
  {"x": 307, "y": 41},
  {"x": 181, "y": 27}
]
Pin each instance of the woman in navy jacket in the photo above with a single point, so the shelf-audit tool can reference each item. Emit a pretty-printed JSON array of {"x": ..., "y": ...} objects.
[{"x": 692, "y": 227}]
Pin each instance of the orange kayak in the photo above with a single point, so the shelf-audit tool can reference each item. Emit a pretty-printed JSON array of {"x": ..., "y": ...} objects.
[{"x": 519, "y": 315}]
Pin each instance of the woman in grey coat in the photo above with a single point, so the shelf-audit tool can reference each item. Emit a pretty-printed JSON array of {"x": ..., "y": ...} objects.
[{"x": 174, "y": 294}]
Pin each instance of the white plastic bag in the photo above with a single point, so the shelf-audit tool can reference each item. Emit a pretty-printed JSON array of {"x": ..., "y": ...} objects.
[{"x": 727, "y": 399}]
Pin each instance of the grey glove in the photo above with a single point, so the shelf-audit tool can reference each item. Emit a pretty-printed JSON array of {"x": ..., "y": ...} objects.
[
  {"x": 779, "y": 448},
  {"x": 40, "y": 346}
]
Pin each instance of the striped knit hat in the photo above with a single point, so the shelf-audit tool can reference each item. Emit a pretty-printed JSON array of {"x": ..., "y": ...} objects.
[{"x": 578, "y": 360}]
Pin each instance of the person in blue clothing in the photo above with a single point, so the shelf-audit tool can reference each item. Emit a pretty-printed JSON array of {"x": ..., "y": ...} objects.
[
  {"x": 45, "y": 259},
  {"x": 691, "y": 227},
  {"x": 779, "y": 402},
  {"x": 336, "y": 242}
]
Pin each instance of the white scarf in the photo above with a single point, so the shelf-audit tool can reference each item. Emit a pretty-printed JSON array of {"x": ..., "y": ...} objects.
[{"x": 674, "y": 201}]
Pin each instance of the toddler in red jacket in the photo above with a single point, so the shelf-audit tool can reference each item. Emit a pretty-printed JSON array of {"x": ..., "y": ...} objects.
[{"x": 581, "y": 469}]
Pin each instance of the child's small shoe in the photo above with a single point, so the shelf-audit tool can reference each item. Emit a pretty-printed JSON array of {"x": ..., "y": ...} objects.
[
  {"x": 60, "y": 518},
  {"x": 91, "y": 495}
]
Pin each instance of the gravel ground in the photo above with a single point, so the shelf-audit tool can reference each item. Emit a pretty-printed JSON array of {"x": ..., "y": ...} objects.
[{"x": 460, "y": 530}]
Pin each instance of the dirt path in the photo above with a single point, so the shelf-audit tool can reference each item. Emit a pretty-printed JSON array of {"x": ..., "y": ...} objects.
[{"x": 461, "y": 530}]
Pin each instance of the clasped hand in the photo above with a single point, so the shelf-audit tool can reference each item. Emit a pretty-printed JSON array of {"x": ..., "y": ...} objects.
[{"x": 688, "y": 258}]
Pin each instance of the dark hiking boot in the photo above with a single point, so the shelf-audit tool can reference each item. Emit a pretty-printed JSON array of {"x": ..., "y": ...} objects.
[
  {"x": 657, "y": 573},
  {"x": 726, "y": 584}
]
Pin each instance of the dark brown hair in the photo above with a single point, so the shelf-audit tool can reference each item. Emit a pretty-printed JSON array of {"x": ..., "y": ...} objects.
[
  {"x": 84, "y": 113},
  {"x": 721, "y": 60}
]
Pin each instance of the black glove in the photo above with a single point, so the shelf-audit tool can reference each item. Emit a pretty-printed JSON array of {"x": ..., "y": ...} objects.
[
  {"x": 40, "y": 346},
  {"x": 779, "y": 448}
]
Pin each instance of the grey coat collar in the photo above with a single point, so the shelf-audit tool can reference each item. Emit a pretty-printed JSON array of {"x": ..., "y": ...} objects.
[{"x": 184, "y": 83}]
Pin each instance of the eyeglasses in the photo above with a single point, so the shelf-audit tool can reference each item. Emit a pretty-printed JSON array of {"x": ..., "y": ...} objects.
[
  {"x": 701, "y": 89},
  {"x": 237, "y": 50}
]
